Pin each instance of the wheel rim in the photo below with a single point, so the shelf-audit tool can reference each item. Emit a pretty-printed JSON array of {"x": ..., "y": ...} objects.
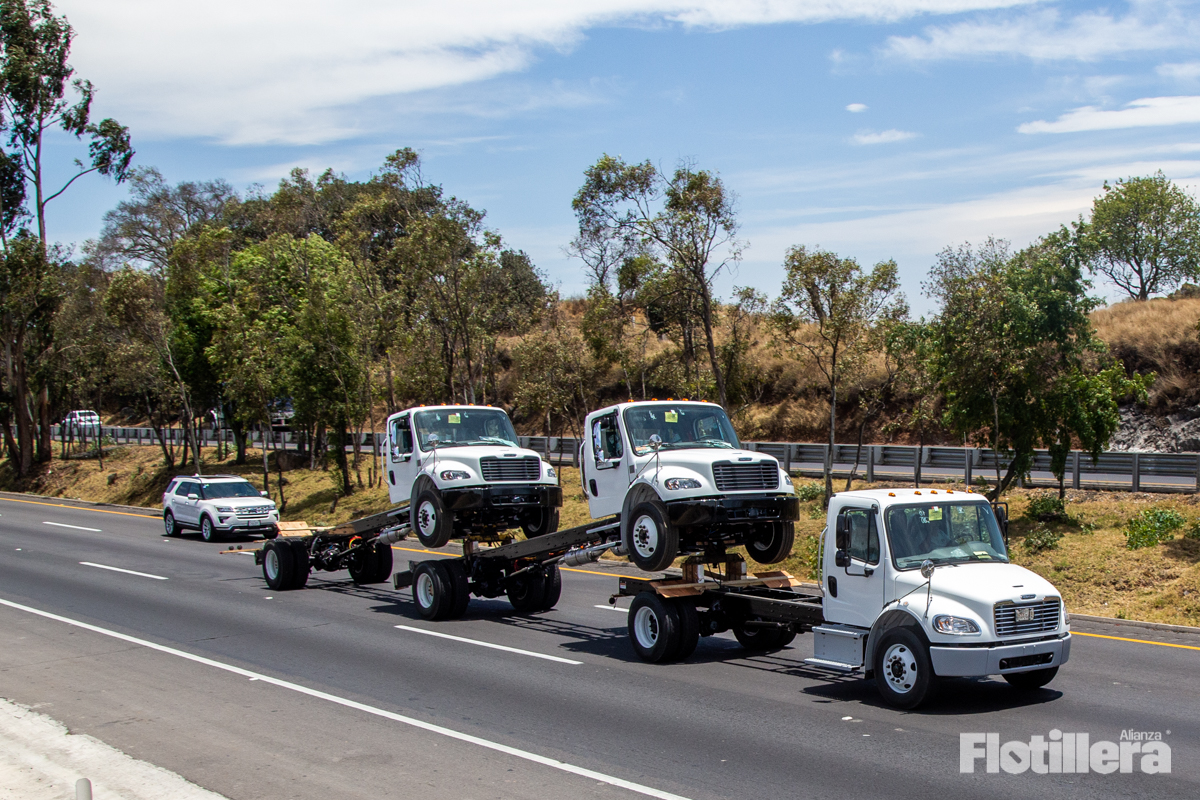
[
  {"x": 169, "y": 522},
  {"x": 427, "y": 518},
  {"x": 645, "y": 536},
  {"x": 900, "y": 668},
  {"x": 762, "y": 543},
  {"x": 425, "y": 590},
  {"x": 206, "y": 529},
  {"x": 646, "y": 627},
  {"x": 271, "y": 564}
]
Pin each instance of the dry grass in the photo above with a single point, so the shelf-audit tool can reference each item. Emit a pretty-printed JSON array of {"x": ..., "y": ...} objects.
[{"x": 1158, "y": 335}]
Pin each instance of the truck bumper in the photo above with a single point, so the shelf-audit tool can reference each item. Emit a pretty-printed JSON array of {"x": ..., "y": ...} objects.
[
  {"x": 511, "y": 497},
  {"x": 1000, "y": 660},
  {"x": 724, "y": 510}
]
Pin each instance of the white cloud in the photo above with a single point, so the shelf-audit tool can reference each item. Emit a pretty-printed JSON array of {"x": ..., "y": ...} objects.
[
  {"x": 1046, "y": 36},
  {"x": 1144, "y": 113},
  {"x": 856, "y": 108},
  {"x": 1188, "y": 71},
  {"x": 292, "y": 71},
  {"x": 882, "y": 137}
]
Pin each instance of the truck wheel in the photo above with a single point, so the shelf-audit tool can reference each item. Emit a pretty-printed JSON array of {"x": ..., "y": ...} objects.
[
  {"x": 171, "y": 525},
  {"x": 771, "y": 542},
  {"x": 431, "y": 591},
  {"x": 1034, "y": 679},
  {"x": 553, "y": 591},
  {"x": 760, "y": 639},
  {"x": 278, "y": 566},
  {"x": 432, "y": 522},
  {"x": 652, "y": 542},
  {"x": 527, "y": 593},
  {"x": 541, "y": 522},
  {"x": 374, "y": 565},
  {"x": 300, "y": 563},
  {"x": 653, "y": 628},
  {"x": 689, "y": 629},
  {"x": 460, "y": 587},
  {"x": 903, "y": 671},
  {"x": 208, "y": 531}
]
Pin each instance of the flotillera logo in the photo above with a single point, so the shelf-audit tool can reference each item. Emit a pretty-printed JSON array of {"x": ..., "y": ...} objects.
[{"x": 1071, "y": 753}]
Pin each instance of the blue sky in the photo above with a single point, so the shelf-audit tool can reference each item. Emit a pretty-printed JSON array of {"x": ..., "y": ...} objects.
[{"x": 875, "y": 128}]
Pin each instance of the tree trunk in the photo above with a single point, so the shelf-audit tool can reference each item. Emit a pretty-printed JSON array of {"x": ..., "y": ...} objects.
[
  {"x": 20, "y": 395},
  {"x": 45, "y": 443},
  {"x": 832, "y": 439},
  {"x": 340, "y": 435},
  {"x": 718, "y": 377}
]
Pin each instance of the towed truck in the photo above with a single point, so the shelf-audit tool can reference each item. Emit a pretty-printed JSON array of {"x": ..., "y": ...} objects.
[
  {"x": 916, "y": 585},
  {"x": 682, "y": 484}
]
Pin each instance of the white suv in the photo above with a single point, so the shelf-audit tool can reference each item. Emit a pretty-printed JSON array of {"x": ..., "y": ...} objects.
[{"x": 217, "y": 505}]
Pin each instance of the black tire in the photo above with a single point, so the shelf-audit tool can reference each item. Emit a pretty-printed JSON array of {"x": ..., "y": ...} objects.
[
  {"x": 270, "y": 533},
  {"x": 527, "y": 593},
  {"x": 279, "y": 568},
  {"x": 651, "y": 541},
  {"x": 545, "y": 521},
  {"x": 170, "y": 524},
  {"x": 1034, "y": 679},
  {"x": 760, "y": 639},
  {"x": 433, "y": 524},
  {"x": 208, "y": 531},
  {"x": 460, "y": 587},
  {"x": 553, "y": 587},
  {"x": 903, "y": 670},
  {"x": 653, "y": 628},
  {"x": 431, "y": 591},
  {"x": 771, "y": 542},
  {"x": 300, "y": 561},
  {"x": 373, "y": 565},
  {"x": 689, "y": 628}
]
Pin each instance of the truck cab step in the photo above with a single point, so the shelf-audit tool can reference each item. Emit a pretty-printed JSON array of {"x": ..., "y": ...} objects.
[{"x": 835, "y": 666}]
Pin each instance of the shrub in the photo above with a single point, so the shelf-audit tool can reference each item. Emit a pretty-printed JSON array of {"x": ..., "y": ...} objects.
[
  {"x": 1152, "y": 526},
  {"x": 1194, "y": 531},
  {"x": 1042, "y": 538},
  {"x": 807, "y": 492},
  {"x": 1047, "y": 508}
]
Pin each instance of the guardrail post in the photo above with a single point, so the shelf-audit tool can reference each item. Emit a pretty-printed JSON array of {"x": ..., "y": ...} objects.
[
  {"x": 1137, "y": 479},
  {"x": 968, "y": 458},
  {"x": 870, "y": 463},
  {"x": 1075, "y": 470}
]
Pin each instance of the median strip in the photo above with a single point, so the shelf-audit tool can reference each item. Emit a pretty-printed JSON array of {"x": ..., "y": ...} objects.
[
  {"x": 126, "y": 571},
  {"x": 529, "y": 653}
]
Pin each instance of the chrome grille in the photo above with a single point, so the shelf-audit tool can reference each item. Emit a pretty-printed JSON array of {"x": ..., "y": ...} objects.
[
  {"x": 510, "y": 469},
  {"x": 746, "y": 477},
  {"x": 1045, "y": 617},
  {"x": 254, "y": 511}
]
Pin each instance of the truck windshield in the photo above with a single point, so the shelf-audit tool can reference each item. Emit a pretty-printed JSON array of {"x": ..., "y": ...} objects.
[
  {"x": 457, "y": 427},
  {"x": 216, "y": 491},
  {"x": 945, "y": 533},
  {"x": 679, "y": 426}
]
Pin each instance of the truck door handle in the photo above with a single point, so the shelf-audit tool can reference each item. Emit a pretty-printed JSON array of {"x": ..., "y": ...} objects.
[
  {"x": 592, "y": 486},
  {"x": 392, "y": 477}
]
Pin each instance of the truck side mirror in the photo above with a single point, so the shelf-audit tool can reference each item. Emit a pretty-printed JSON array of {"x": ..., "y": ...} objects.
[
  {"x": 841, "y": 559},
  {"x": 1001, "y": 512},
  {"x": 842, "y": 533}
]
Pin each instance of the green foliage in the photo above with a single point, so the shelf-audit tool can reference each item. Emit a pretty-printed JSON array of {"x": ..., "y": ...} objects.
[
  {"x": 1041, "y": 538},
  {"x": 1045, "y": 507},
  {"x": 808, "y": 551},
  {"x": 808, "y": 492},
  {"x": 1152, "y": 526},
  {"x": 1193, "y": 532}
]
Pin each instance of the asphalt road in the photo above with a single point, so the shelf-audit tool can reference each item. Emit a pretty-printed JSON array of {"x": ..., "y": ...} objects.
[{"x": 191, "y": 663}]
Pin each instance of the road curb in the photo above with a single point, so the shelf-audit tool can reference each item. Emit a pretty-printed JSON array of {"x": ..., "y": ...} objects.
[
  {"x": 67, "y": 501},
  {"x": 1132, "y": 623}
]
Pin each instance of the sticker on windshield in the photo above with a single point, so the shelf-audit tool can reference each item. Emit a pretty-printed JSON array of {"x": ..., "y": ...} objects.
[
  {"x": 671, "y": 416},
  {"x": 935, "y": 513},
  {"x": 983, "y": 554},
  {"x": 454, "y": 419}
]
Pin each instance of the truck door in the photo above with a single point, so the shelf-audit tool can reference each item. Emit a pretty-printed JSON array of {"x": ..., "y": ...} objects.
[
  {"x": 606, "y": 478},
  {"x": 854, "y": 593},
  {"x": 401, "y": 463}
]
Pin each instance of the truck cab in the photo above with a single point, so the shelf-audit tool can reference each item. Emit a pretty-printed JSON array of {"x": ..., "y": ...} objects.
[
  {"x": 681, "y": 482},
  {"x": 464, "y": 474},
  {"x": 918, "y": 585}
]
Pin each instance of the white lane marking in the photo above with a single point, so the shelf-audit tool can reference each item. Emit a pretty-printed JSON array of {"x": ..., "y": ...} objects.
[
  {"x": 489, "y": 644},
  {"x": 126, "y": 571},
  {"x": 76, "y": 527},
  {"x": 614, "y": 608},
  {"x": 379, "y": 712}
]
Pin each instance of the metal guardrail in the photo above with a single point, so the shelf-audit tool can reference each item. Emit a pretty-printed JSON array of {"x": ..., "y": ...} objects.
[{"x": 1140, "y": 471}]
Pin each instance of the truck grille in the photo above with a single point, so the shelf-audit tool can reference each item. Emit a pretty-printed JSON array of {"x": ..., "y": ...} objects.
[
  {"x": 1044, "y": 617},
  {"x": 746, "y": 477},
  {"x": 510, "y": 469},
  {"x": 256, "y": 511}
]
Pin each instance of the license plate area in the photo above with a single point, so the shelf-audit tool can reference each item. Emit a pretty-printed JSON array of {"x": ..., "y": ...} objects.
[{"x": 1025, "y": 614}]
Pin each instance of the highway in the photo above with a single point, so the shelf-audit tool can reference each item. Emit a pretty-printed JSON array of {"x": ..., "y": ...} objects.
[{"x": 182, "y": 657}]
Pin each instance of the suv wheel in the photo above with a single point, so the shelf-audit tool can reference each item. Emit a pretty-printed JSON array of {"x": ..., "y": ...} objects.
[
  {"x": 208, "y": 531},
  {"x": 170, "y": 524}
]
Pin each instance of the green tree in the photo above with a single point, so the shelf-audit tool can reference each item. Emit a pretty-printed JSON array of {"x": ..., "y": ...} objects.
[
  {"x": 829, "y": 309},
  {"x": 1015, "y": 355},
  {"x": 1144, "y": 235}
]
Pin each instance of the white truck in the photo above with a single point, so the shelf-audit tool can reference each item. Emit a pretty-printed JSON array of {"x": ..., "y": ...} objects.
[
  {"x": 916, "y": 585},
  {"x": 463, "y": 474},
  {"x": 679, "y": 479}
]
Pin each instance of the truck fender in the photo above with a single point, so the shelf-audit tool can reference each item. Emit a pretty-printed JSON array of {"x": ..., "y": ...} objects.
[
  {"x": 896, "y": 617},
  {"x": 422, "y": 483},
  {"x": 638, "y": 493}
]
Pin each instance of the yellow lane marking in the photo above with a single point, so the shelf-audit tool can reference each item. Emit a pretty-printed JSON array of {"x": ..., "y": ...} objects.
[
  {"x": 1137, "y": 641},
  {"x": 448, "y": 555},
  {"x": 81, "y": 508}
]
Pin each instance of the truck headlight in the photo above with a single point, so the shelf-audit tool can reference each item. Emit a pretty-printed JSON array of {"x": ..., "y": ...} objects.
[
  {"x": 681, "y": 483},
  {"x": 958, "y": 626},
  {"x": 550, "y": 473},
  {"x": 455, "y": 475}
]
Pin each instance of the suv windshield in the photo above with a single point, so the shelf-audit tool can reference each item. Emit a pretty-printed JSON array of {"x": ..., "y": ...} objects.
[
  {"x": 946, "y": 533},
  {"x": 679, "y": 426},
  {"x": 217, "y": 491},
  {"x": 456, "y": 427}
]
